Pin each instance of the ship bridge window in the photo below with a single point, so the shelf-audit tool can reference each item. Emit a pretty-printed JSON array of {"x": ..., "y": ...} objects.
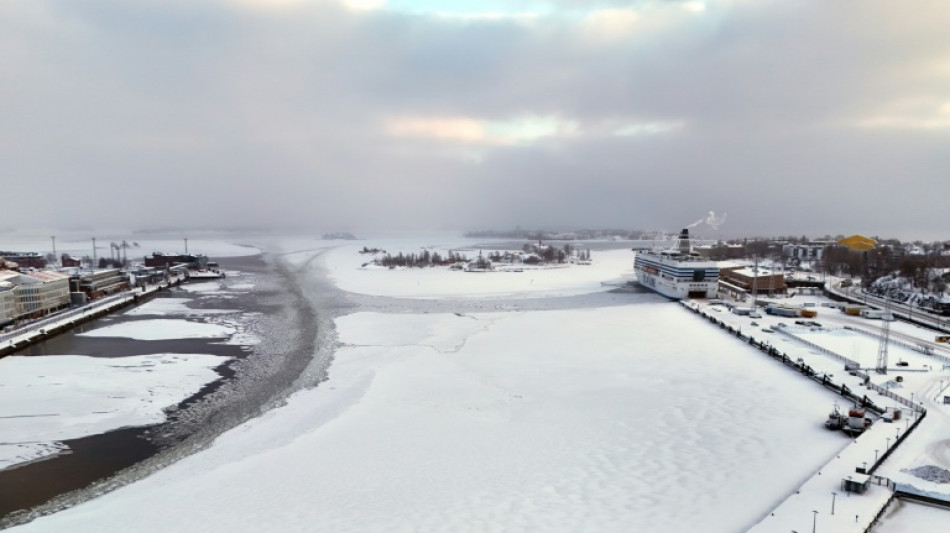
[{"x": 699, "y": 274}]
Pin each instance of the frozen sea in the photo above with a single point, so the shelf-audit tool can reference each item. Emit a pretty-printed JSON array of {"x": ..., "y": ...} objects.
[
  {"x": 531, "y": 401},
  {"x": 119, "y": 397}
]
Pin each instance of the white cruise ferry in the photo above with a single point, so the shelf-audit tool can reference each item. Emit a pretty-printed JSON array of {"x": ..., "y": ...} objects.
[{"x": 677, "y": 272}]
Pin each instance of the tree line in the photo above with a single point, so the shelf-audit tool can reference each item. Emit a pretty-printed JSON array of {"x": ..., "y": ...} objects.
[{"x": 421, "y": 260}]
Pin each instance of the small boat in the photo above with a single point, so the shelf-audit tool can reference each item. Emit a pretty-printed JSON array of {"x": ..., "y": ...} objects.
[{"x": 835, "y": 419}]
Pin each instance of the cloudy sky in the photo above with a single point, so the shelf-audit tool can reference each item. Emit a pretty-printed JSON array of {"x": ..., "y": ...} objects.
[{"x": 795, "y": 116}]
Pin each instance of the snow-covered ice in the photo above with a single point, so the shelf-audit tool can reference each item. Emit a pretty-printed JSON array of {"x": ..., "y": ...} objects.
[
  {"x": 641, "y": 417},
  {"x": 549, "y": 420},
  {"x": 49, "y": 399},
  {"x": 162, "y": 329},
  {"x": 173, "y": 306}
]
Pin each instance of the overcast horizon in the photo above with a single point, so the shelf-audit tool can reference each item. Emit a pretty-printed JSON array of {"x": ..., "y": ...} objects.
[{"x": 794, "y": 117}]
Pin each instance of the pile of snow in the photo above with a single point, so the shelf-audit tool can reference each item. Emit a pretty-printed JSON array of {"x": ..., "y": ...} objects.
[
  {"x": 46, "y": 400},
  {"x": 931, "y": 473}
]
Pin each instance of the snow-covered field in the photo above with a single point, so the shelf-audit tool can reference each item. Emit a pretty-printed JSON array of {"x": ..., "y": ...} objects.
[{"x": 49, "y": 399}]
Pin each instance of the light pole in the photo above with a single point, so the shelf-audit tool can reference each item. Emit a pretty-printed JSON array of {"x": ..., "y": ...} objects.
[
  {"x": 875, "y": 460},
  {"x": 814, "y": 521},
  {"x": 833, "y": 495}
]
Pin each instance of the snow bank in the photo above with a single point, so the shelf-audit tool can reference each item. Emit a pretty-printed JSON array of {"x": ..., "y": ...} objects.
[
  {"x": 930, "y": 473},
  {"x": 45, "y": 400},
  {"x": 605, "y": 419}
]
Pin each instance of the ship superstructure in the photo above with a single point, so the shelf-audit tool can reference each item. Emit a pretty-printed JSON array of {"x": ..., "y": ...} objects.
[{"x": 677, "y": 272}]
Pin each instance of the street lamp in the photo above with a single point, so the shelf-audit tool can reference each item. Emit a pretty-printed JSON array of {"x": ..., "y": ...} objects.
[
  {"x": 814, "y": 521},
  {"x": 833, "y": 494},
  {"x": 875, "y": 460}
]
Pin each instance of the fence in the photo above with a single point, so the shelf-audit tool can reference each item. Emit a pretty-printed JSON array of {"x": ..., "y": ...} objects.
[
  {"x": 907, "y": 345},
  {"x": 845, "y": 392},
  {"x": 848, "y": 363},
  {"x": 897, "y": 442},
  {"x": 799, "y": 365},
  {"x": 854, "y": 367}
]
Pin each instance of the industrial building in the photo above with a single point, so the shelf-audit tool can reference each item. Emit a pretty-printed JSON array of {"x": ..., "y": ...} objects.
[
  {"x": 748, "y": 280},
  {"x": 8, "y": 309},
  {"x": 31, "y": 294},
  {"x": 22, "y": 260},
  {"x": 68, "y": 261},
  {"x": 99, "y": 283},
  {"x": 41, "y": 293},
  {"x": 806, "y": 252},
  {"x": 158, "y": 259}
]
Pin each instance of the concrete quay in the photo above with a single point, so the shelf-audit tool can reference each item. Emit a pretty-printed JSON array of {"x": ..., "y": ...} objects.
[{"x": 42, "y": 329}]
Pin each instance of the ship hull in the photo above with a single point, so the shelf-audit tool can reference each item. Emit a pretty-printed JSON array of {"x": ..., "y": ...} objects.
[{"x": 677, "y": 279}]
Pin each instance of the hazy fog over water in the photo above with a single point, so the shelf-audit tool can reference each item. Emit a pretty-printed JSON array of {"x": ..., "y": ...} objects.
[{"x": 795, "y": 117}]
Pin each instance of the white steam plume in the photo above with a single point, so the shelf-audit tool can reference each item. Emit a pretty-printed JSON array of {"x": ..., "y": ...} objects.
[{"x": 710, "y": 220}]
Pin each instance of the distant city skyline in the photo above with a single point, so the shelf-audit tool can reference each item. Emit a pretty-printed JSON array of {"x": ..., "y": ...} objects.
[{"x": 795, "y": 117}]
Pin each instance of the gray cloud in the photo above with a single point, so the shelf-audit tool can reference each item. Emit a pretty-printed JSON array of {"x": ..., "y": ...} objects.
[{"x": 793, "y": 117}]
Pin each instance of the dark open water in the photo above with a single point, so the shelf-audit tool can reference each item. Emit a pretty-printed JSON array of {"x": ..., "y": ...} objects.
[{"x": 250, "y": 382}]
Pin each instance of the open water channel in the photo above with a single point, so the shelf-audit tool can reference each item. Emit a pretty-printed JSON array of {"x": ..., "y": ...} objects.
[{"x": 267, "y": 304}]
